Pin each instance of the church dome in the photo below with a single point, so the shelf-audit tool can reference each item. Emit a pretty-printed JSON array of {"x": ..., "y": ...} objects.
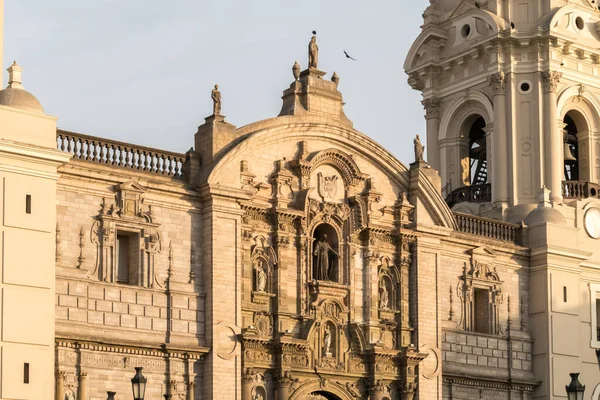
[
  {"x": 16, "y": 96},
  {"x": 543, "y": 215}
]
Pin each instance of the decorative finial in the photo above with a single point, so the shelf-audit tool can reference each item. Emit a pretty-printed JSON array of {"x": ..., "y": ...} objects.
[
  {"x": 313, "y": 52},
  {"x": 296, "y": 70},
  {"x": 216, "y": 97},
  {"x": 15, "y": 79},
  {"x": 335, "y": 78}
]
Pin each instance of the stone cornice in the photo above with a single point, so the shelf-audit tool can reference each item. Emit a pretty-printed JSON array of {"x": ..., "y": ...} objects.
[{"x": 195, "y": 352}]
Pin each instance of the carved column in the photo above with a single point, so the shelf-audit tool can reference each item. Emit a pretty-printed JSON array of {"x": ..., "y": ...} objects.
[
  {"x": 377, "y": 391},
  {"x": 82, "y": 387},
  {"x": 190, "y": 391},
  {"x": 553, "y": 154},
  {"x": 60, "y": 385},
  {"x": 285, "y": 386},
  {"x": 498, "y": 160},
  {"x": 432, "y": 116},
  {"x": 405, "y": 263},
  {"x": 247, "y": 380}
]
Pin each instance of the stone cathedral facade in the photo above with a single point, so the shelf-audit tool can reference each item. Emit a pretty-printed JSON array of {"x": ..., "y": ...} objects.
[{"x": 295, "y": 258}]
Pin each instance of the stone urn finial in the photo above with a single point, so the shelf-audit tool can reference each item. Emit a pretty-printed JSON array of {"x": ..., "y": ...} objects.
[
  {"x": 296, "y": 70},
  {"x": 335, "y": 78}
]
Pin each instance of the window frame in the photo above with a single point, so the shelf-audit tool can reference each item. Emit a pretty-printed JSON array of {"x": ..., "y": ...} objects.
[{"x": 594, "y": 292}]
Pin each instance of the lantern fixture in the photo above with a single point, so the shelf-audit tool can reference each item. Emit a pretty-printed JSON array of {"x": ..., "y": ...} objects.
[
  {"x": 575, "y": 389},
  {"x": 138, "y": 384}
]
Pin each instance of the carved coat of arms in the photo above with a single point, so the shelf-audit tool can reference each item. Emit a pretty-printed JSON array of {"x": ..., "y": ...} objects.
[{"x": 327, "y": 186}]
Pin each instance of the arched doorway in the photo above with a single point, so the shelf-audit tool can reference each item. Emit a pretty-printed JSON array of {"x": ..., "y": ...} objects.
[{"x": 321, "y": 395}]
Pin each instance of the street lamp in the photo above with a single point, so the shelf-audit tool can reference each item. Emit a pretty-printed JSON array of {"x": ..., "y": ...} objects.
[
  {"x": 138, "y": 384},
  {"x": 575, "y": 389}
]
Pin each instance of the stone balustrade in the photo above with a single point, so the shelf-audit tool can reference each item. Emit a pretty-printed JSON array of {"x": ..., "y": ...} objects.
[
  {"x": 489, "y": 228},
  {"x": 120, "y": 154},
  {"x": 580, "y": 190}
]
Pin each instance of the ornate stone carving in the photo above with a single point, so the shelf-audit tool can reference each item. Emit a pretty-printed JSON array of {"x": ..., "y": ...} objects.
[
  {"x": 550, "y": 80},
  {"x": 296, "y": 70},
  {"x": 58, "y": 251},
  {"x": 498, "y": 83},
  {"x": 432, "y": 107},
  {"x": 81, "y": 257},
  {"x": 327, "y": 186}
]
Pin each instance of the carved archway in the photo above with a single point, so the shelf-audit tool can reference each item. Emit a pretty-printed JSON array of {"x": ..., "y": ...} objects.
[{"x": 322, "y": 387}]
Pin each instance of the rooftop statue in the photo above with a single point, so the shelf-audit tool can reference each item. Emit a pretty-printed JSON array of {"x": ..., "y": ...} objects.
[
  {"x": 419, "y": 149},
  {"x": 216, "y": 97},
  {"x": 313, "y": 52}
]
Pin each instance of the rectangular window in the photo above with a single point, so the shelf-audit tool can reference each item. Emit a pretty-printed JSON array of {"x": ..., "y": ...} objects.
[
  {"x": 595, "y": 314},
  {"x": 127, "y": 257},
  {"x": 481, "y": 310},
  {"x": 28, "y": 203},
  {"x": 122, "y": 258},
  {"x": 26, "y": 373},
  {"x": 564, "y": 294}
]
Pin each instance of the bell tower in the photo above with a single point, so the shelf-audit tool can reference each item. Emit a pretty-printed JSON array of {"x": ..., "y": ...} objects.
[{"x": 511, "y": 93}]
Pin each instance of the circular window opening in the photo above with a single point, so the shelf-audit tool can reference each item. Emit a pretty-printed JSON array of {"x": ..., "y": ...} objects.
[
  {"x": 593, "y": 192},
  {"x": 525, "y": 87},
  {"x": 466, "y": 30},
  {"x": 579, "y": 23}
]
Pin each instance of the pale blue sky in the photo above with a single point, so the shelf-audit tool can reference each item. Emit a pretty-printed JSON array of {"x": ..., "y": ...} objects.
[{"x": 141, "y": 71}]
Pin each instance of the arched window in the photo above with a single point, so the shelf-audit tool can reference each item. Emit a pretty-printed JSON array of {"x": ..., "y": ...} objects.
[
  {"x": 478, "y": 171},
  {"x": 571, "y": 149}
]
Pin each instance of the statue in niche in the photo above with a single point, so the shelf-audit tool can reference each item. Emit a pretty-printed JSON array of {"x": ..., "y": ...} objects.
[
  {"x": 216, "y": 98},
  {"x": 313, "y": 52},
  {"x": 327, "y": 341},
  {"x": 261, "y": 276},
  {"x": 419, "y": 149},
  {"x": 323, "y": 255},
  {"x": 258, "y": 396},
  {"x": 384, "y": 297}
]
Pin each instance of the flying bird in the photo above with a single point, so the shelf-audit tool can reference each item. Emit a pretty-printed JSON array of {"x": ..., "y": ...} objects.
[{"x": 348, "y": 56}]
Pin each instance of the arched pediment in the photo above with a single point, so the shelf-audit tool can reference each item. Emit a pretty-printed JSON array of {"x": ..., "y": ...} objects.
[
  {"x": 478, "y": 98},
  {"x": 324, "y": 385},
  {"x": 584, "y": 101},
  {"x": 342, "y": 162},
  {"x": 431, "y": 35}
]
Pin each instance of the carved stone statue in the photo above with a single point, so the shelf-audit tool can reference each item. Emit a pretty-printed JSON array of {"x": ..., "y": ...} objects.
[
  {"x": 384, "y": 296},
  {"x": 258, "y": 396},
  {"x": 419, "y": 149},
  {"x": 313, "y": 53},
  {"x": 216, "y": 97},
  {"x": 261, "y": 276},
  {"x": 321, "y": 265},
  {"x": 327, "y": 341}
]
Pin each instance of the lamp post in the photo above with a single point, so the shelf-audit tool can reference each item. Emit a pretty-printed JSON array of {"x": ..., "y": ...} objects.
[
  {"x": 138, "y": 384},
  {"x": 575, "y": 389}
]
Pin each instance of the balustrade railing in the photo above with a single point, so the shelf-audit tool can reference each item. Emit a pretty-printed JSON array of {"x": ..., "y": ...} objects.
[
  {"x": 580, "y": 190},
  {"x": 120, "y": 154},
  {"x": 490, "y": 228},
  {"x": 472, "y": 194}
]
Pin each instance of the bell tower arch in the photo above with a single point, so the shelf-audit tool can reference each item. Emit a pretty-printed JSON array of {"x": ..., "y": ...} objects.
[{"x": 499, "y": 97}]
